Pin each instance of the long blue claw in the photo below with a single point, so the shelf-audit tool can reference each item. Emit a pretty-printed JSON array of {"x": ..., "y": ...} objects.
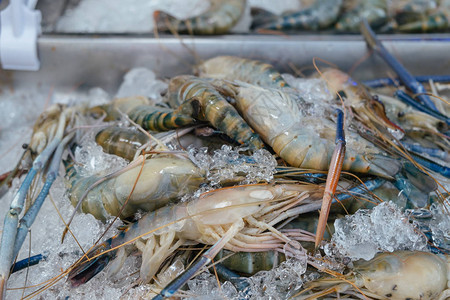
[
  {"x": 228, "y": 275},
  {"x": 340, "y": 135},
  {"x": 445, "y": 171},
  {"x": 404, "y": 97},
  {"x": 27, "y": 262},
  {"x": 206, "y": 258},
  {"x": 10, "y": 229},
  {"x": 12, "y": 216},
  {"x": 432, "y": 152},
  {"x": 405, "y": 77},
  {"x": 30, "y": 215},
  {"x": 381, "y": 82},
  {"x": 178, "y": 282},
  {"x": 361, "y": 189}
]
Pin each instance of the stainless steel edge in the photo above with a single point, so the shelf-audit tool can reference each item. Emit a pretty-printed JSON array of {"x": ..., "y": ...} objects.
[{"x": 68, "y": 60}]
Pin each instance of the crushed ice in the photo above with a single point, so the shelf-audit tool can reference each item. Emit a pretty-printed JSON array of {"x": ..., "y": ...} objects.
[
  {"x": 285, "y": 279},
  {"x": 142, "y": 82},
  {"x": 440, "y": 224},
  {"x": 367, "y": 232},
  {"x": 228, "y": 163},
  {"x": 91, "y": 160}
]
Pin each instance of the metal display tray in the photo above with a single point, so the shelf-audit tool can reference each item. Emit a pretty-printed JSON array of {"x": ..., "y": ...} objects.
[{"x": 68, "y": 60}]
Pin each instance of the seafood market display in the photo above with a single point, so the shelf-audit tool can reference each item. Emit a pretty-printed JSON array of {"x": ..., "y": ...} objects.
[
  {"x": 212, "y": 17},
  {"x": 237, "y": 181}
]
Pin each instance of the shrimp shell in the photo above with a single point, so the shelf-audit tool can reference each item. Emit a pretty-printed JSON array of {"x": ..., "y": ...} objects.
[
  {"x": 162, "y": 179},
  {"x": 246, "y": 70},
  {"x": 219, "y": 19},
  {"x": 276, "y": 117}
]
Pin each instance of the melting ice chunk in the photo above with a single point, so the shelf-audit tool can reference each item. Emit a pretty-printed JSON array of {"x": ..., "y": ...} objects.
[
  {"x": 384, "y": 228},
  {"x": 440, "y": 224},
  {"x": 141, "y": 82},
  {"x": 227, "y": 163}
]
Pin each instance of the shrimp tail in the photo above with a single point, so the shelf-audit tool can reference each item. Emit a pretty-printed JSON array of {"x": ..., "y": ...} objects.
[
  {"x": 167, "y": 22},
  {"x": 91, "y": 264}
]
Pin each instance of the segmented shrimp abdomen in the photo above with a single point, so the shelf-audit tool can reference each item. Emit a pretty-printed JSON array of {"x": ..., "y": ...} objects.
[
  {"x": 121, "y": 141},
  {"x": 219, "y": 19},
  {"x": 158, "y": 118},
  {"x": 241, "y": 69}
]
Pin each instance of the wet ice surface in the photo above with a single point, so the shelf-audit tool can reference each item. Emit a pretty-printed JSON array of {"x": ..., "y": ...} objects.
[
  {"x": 142, "y": 82},
  {"x": 18, "y": 112},
  {"x": 283, "y": 281},
  {"x": 228, "y": 163},
  {"x": 367, "y": 232},
  {"x": 440, "y": 224},
  {"x": 135, "y": 16},
  {"x": 91, "y": 160},
  {"x": 315, "y": 98}
]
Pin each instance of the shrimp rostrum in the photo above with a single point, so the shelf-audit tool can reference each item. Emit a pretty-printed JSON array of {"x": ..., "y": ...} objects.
[{"x": 237, "y": 218}]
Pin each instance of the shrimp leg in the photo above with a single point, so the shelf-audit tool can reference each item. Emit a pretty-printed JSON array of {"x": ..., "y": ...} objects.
[
  {"x": 206, "y": 258},
  {"x": 334, "y": 173},
  {"x": 405, "y": 77},
  {"x": 12, "y": 216}
]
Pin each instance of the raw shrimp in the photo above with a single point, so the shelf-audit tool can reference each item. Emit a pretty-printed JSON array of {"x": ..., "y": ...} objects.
[
  {"x": 321, "y": 14},
  {"x": 397, "y": 275},
  {"x": 276, "y": 117},
  {"x": 219, "y": 19},
  {"x": 246, "y": 70},
  {"x": 236, "y": 216},
  {"x": 199, "y": 98},
  {"x": 163, "y": 178}
]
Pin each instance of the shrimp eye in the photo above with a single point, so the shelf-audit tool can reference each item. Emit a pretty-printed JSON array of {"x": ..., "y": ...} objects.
[
  {"x": 341, "y": 94},
  {"x": 196, "y": 108},
  {"x": 401, "y": 114}
]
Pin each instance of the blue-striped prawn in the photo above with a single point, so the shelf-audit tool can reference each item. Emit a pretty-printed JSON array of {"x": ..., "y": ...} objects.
[
  {"x": 239, "y": 218},
  {"x": 198, "y": 101},
  {"x": 201, "y": 99},
  {"x": 421, "y": 16},
  {"x": 319, "y": 15},
  {"x": 375, "y": 11},
  {"x": 142, "y": 111}
]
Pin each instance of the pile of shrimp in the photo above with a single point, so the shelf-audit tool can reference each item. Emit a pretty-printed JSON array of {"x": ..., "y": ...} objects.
[
  {"x": 336, "y": 16},
  {"x": 214, "y": 17},
  {"x": 229, "y": 170}
]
